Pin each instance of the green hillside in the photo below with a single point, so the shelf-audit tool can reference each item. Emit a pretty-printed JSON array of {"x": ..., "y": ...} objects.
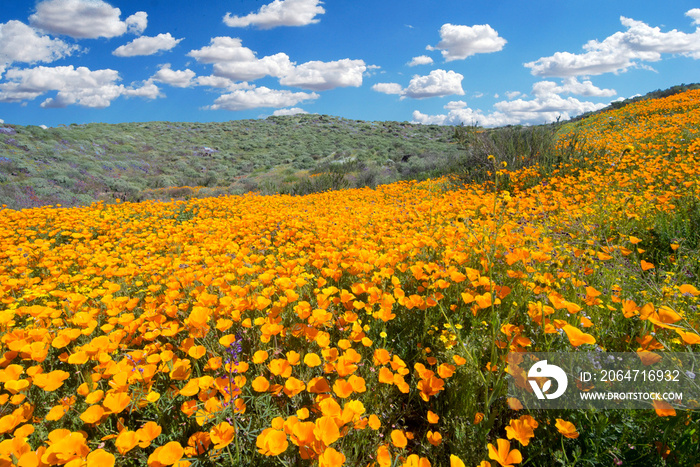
[{"x": 78, "y": 164}]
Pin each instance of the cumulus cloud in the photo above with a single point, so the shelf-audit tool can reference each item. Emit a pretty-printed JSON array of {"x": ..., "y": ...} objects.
[
  {"x": 543, "y": 109},
  {"x": 147, "y": 90},
  {"x": 624, "y": 49},
  {"x": 279, "y": 13},
  {"x": 322, "y": 76},
  {"x": 220, "y": 82},
  {"x": 86, "y": 19},
  {"x": 465, "y": 116},
  {"x": 232, "y": 60},
  {"x": 459, "y": 42},
  {"x": 453, "y": 105},
  {"x": 136, "y": 23},
  {"x": 146, "y": 45},
  {"x": 79, "y": 86},
  {"x": 694, "y": 14},
  {"x": 420, "y": 60},
  {"x": 292, "y": 111},
  {"x": 223, "y": 49},
  {"x": 21, "y": 43},
  {"x": 547, "y": 106},
  {"x": 277, "y": 65},
  {"x": 177, "y": 78},
  {"x": 571, "y": 86},
  {"x": 437, "y": 84},
  {"x": 388, "y": 88},
  {"x": 260, "y": 97}
]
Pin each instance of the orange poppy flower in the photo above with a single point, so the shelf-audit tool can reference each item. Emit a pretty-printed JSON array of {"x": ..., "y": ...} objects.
[
  {"x": 331, "y": 458},
  {"x": 664, "y": 409},
  {"x": 398, "y": 439},
  {"x": 99, "y": 458},
  {"x": 271, "y": 442},
  {"x": 381, "y": 357},
  {"x": 51, "y": 381},
  {"x": 116, "y": 402},
  {"x": 342, "y": 388},
  {"x": 520, "y": 430},
  {"x": 386, "y": 376},
  {"x": 280, "y": 367},
  {"x": 293, "y": 386},
  {"x": 578, "y": 337},
  {"x": 326, "y": 430},
  {"x": 260, "y": 384},
  {"x": 147, "y": 433},
  {"x": 434, "y": 438},
  {"x": 222, "y": 435},
  {"x": 384, "y": 456},
  {"x": 126, "y": 441},
  {"x": 170, "y": 453},
  {"x": 503, "y": 455},
  {"x": 567, "y": 429},
  {"x": 433, "y": 417},
  {"x": 92, "y": 414},
  {"x": 318, "y": 385}
]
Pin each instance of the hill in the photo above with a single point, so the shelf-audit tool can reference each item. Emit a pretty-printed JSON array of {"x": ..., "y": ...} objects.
[{"x": 77, "y": 164}]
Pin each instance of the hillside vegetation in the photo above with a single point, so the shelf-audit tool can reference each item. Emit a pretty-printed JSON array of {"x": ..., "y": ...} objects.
[
  {"x": 365, "y": 327},
  {"x": 77, "y": 164}
]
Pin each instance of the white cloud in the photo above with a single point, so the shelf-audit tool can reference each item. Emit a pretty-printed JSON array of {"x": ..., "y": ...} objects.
[
  {"x": 277, "y": 65},
  {"x": 21, "y": 43},
  {"x": 260, "y": 97},
  {"x": 322, "y": 76},
  {"x": 570, "y": 86},
  {"x": 79, "y": 86},
  {"x": 232, "y": 60},
  {"x": 622, "y": 50},
  {"x": 546, "y": 106},
  {"x": 453, "y": 105},
  {"x": 177, "y": 78},
  {"x": 147, "y": 91},
  {"x": 420, "y": 60},
  {"x": 388, "y": 88},
  {"x": 136, "y": 23},
  {"x": 146, "y": 45},
  {"x": 459, "y": 42},
  {"x": 438, "y": 83},
  {"x": 219, "y": 82},
  {"x": 85, "y": 19},
  {"x": 279, "y": 13},
  {"x": 695, "y": 14},
  {"x": 223, "y": 49},
  {"x": 292, "y": 111},
  {"x": 512, "y": 94},
  {"x": 465, "y": 116},
  {"x": 543, "y": 109}
]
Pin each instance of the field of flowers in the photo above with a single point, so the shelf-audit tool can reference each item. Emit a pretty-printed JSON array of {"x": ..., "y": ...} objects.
[{"x": 358, "y": 327}]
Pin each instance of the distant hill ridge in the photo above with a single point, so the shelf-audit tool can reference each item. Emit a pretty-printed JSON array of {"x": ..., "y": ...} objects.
[{"x": 76, "y": 164}]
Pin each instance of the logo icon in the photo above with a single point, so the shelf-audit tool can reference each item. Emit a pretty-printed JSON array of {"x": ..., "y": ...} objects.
[{"x": 543, "y": 370}]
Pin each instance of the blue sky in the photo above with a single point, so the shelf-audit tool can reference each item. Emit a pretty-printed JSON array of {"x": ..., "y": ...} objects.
[{"x": 448, "y": 62}]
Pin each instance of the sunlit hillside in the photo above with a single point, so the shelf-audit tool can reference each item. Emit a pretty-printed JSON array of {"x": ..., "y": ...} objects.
[{"x": 360, "y": 326}]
